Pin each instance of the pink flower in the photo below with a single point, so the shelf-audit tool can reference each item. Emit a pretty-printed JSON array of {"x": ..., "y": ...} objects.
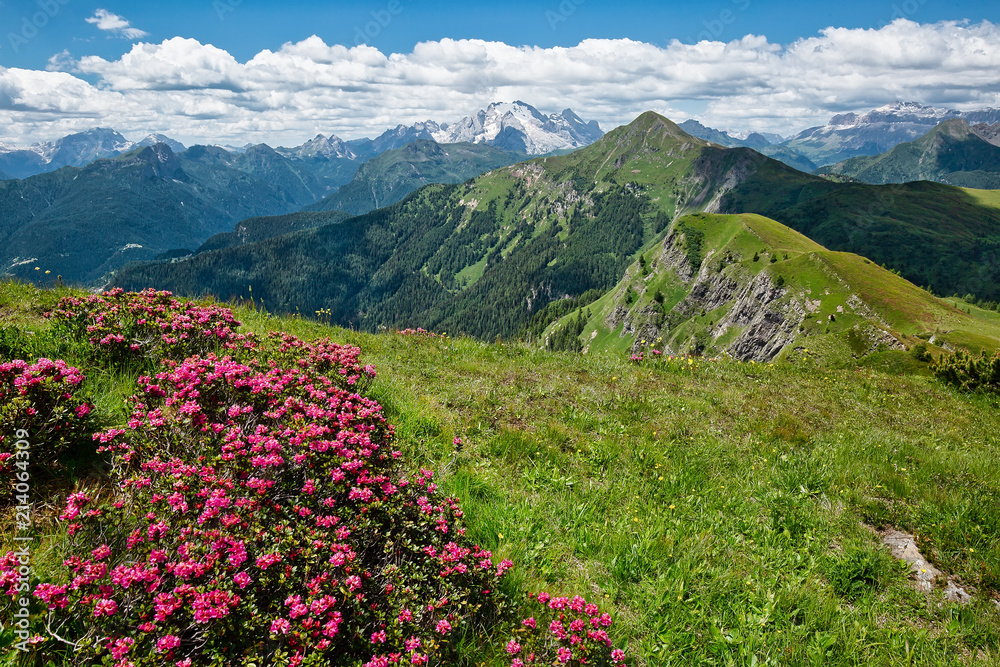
[
  {"x": 379, "y": 637},
  {"x": 564, "y": 655},
  {"x": 513, "y": 647},
  {"x": 617, "y": 655},
  {"x": 105, "y": 607},
  {"x": 443, "y": 627},
  {"x": 530, "y": 622},
  {"x": 242, "y": 580},
  {"x": 406, "y": 615},
  {"x": 280, "y": 626},
  {"x": 121, "y": 647},
  {"x": 168, "y": 642},
  {"x": 267, "y": 560}
]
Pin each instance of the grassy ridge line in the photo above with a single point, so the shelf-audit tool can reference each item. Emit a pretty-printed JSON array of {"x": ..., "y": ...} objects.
[
  {"x": 839, "y": 302},
  {"x": 712, "y": 504}
]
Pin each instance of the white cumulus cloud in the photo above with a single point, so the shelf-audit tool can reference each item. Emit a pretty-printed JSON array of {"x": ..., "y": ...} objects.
[
  {"x": 199, "y": 93},
  {"x": 115, "y": 24}
]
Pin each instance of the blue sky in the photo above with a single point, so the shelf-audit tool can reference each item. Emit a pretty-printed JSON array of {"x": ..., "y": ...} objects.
[
  {"x": 236, "y": 70},
  {"x": 245, "y": 27}
]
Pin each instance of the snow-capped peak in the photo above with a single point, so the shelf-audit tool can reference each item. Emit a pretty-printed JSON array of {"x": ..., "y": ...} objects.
[
  {"x": 896, "y": 112},
  {"x": 520, "y": 126}
]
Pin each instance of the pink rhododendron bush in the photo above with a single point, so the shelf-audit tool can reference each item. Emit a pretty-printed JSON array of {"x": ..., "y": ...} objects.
[
  {"x": 124, "y": 327},
  {"x": 259, "y": 514},
  {"x": 262, "y": 516},
  {"x": 40, "y": 399}
]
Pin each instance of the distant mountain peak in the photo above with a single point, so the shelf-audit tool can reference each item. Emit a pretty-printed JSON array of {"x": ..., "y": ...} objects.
[
  {"x": 152, "y": 139},
  {"x": 730, "y": 139},
  {"x": 321, "y": 146}
]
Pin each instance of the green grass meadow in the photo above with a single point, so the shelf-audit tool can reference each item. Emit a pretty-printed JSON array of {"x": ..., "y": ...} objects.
[{"x": 725, "y": 513}]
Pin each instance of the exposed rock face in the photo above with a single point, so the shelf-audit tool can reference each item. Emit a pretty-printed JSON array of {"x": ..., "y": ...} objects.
[
  {"x": 766, "y": 315},
  {"x": 673, "y": 258},
  {"x": 770, "y": 325}
]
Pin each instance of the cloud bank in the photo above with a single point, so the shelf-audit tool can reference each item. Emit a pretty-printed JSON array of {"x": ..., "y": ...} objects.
[{"x": 198, "y": 93}]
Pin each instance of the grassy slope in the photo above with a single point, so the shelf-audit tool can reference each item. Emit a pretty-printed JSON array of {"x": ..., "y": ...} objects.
[
  {"x": 829, "y": 280},
  {"x": 706, "y": 504},
  {"x": 935, "y": 234}
]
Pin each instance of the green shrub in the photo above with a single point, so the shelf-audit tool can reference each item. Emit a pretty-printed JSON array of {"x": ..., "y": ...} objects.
[
  {"x": 968, "y": 371},
  {"x": 920, "y": 353}
]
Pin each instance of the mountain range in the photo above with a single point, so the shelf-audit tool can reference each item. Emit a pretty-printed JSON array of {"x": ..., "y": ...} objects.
[
  {"x": 511, "y": 126},
  {"x": 850, "y": 135},
  {"x": 508, "y": 252},
  {"x": 74, "y": 150},
  {"x": 954, "y": 152},
  {"x": 80, "y": 222},
  {"x": 138, "y": 204},
  {"x": 845, "y": 135}
]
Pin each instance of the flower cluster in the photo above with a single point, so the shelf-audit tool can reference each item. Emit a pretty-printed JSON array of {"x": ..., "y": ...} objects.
[
  {"x": 421, "y": 332},
  {"x": 124, "y": 326},
  {"x": 338, "y": 362},
  {"x": 41, "y": 398},
  {"x": 564, "y": 631},
  {"x": 262, "y": 516}
]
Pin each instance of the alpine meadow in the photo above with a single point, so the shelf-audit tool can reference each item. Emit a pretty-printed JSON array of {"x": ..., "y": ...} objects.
[{"x": 582, "y": 335}]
